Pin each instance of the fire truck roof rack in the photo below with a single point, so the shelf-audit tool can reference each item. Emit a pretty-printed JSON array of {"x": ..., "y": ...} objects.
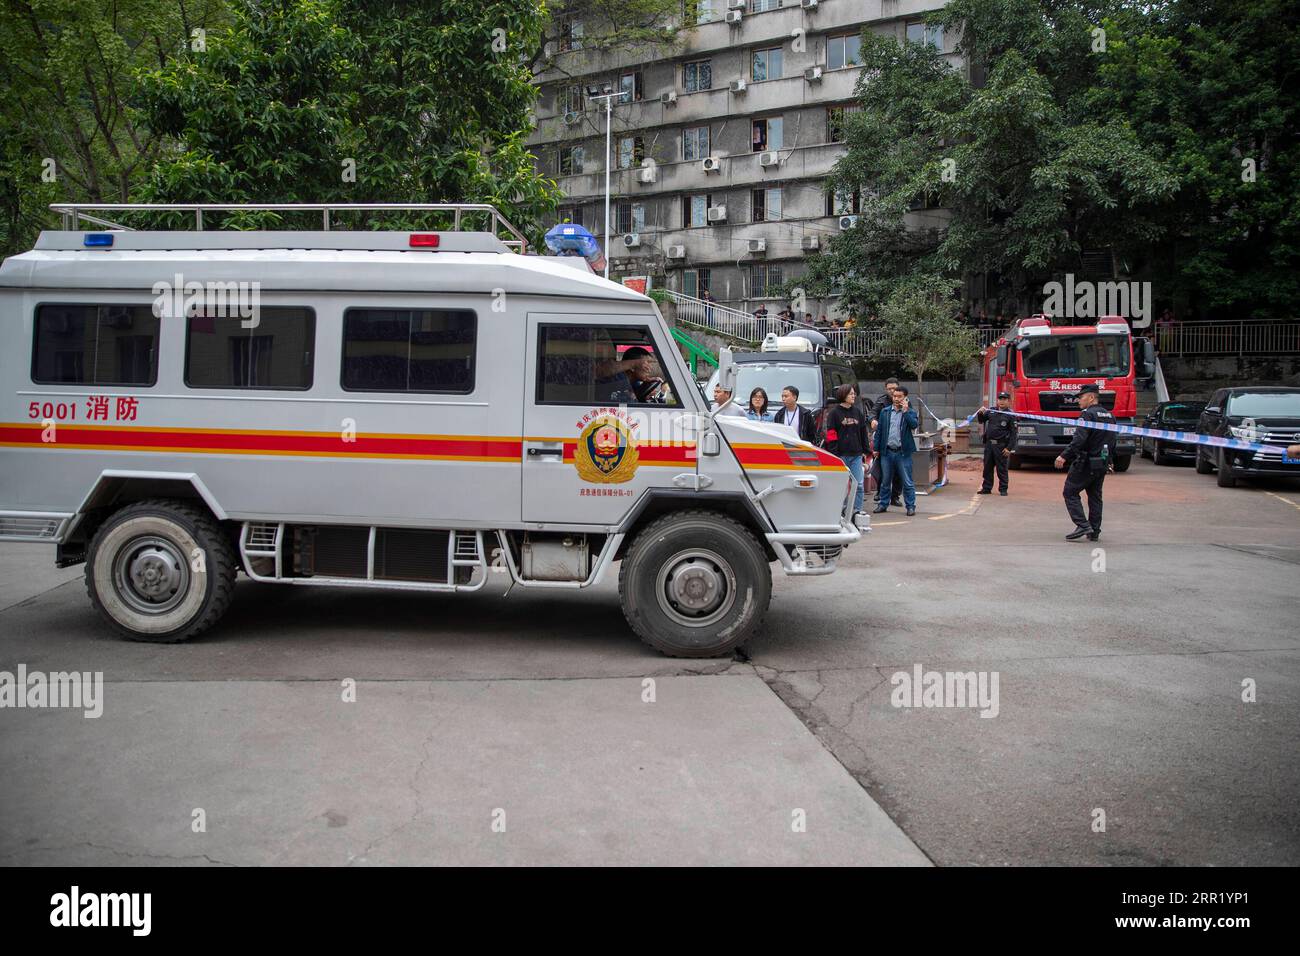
[{"x": 76, "y": 213}]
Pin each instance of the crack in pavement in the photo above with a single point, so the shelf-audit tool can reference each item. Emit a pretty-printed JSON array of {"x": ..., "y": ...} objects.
[{"x": 141, "y": 855}]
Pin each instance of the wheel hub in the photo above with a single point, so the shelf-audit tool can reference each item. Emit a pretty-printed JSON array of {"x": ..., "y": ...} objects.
[
  {"x": 151, "y": 575},
  {"x": 696, "y": 588}
]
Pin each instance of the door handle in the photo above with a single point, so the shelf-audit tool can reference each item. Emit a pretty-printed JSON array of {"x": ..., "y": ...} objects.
[{"x": 546, "y": 453}]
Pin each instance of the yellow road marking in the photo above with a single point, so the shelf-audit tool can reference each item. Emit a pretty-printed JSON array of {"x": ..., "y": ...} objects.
[
  {"x": 1280, "y": 498},
  {"x": 970, "y": 509}
]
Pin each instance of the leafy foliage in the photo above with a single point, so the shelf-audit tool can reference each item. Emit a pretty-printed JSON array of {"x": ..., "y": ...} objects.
[
  {"x": 422, "y": 101},
  {"x": 1062, "y": 140}
]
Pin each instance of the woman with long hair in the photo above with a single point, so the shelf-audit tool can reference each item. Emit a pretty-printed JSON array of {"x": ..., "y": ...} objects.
[
  {"x": 756, "y": 410},
  {"x": 847, "y": 436}
]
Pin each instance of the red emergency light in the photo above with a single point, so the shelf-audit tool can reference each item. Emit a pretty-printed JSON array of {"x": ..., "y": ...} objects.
[{"x": 424, "y": 240}]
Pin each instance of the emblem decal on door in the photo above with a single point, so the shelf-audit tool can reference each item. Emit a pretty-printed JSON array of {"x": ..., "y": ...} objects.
[{"x": 606, "y": 451}]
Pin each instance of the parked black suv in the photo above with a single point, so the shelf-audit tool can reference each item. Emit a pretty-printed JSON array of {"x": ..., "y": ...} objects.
[
  {"x": 1173, "y": 417},
  {"x": 1255, "y": 413}
]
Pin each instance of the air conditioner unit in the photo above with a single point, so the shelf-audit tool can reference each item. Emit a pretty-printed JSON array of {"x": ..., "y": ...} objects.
[
  {"x": 735, "y": 16},
  {"x": 632, "y": 240},
  {"x": 669, "y": 98},
  {"x": 758, "y": 245},
  {"x": 717, "y": 214},
  {"x": 711, "y": 164},
  {"x": 572, "y": 117},
  {"x": 676, "y": 252},
  {"x": 770, "y": 158},
  {"x": 648, "y": 174},
  {"x": 736, "y": 4},
  {"x": 813, "y": 74},
  {"x": 848, "y": 222},
  {"x": 810, "y": 243},
  {"x": 737, "y": 86},
  {"x": 808, "y": 4}
]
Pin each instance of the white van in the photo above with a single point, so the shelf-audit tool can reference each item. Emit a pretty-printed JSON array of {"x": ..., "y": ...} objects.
[{"x": 382, "y": 409}]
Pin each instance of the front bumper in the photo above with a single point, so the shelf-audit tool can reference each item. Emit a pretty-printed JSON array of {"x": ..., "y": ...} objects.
[
  {"x": 810, "y": 553},
  {"x": 1262, "y": 464}
]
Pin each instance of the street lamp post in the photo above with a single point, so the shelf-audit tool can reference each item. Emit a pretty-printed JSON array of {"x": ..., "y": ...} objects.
[{"x": 608, "y": 95}]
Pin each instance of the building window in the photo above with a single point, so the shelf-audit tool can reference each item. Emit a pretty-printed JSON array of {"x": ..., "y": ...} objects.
[
  {"x": 629, "y": 84},
  {"x": 697, "y": 76},
  {"x": 931, "y": 33},
  {"x": 631, "y": 150},
  {"x": 767, "y": 133},
  {"x": 838, "y": 204},
  {"x": 766, "y": 205},
  {"x": 276, "y": 353},
  {"x": 570, "y": 36},
  {"x": 702, "y": 11},
  {"x": 762, "y": 6},
  {"x": 695, "y": 282},
  {"x": 572, "y": 214},
  {"x": 925, "y": 201},
  {"x": 843, "y": 51},
  {"x": 835, "y": 119},
  {"x": 95, "y": 345},
  {"x": 568, "y": 99},
  {"x": 695, "y": 210},
  {"x": 764, "y": 280},
  {"x": 629, "y": 217},
  {"x": 695, "y": 142},
  {"x": 408, "y": 350},
  {"x": 571, "y": 160},
  {"x": 766, "y": 64}
]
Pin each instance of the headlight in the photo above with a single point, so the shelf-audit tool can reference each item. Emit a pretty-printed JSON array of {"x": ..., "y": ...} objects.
[
  {"x": 1028, "y": 430},
  {"x": 1245, "y": 433}
]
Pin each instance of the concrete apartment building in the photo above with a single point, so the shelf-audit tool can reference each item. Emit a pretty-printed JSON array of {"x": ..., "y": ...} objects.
[{"x": 719, "y": 152}]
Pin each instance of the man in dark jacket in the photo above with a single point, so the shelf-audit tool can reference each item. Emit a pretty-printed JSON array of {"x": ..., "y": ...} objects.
[
  {"x": 800, "y": 419},
  {"x": 1089, "y": 457},
  {"x": 1000, "y": 433},
  {"x": 884, "y": 400},
  {"x": 895, "y": 445}
]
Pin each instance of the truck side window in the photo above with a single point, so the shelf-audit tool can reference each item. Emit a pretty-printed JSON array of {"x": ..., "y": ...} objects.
[
  {"x": 409, "y": 350},
  {"x": 275, "y": 353},
  {"x": 95, "y": 345},
  {"x": 595, "y": 365}
]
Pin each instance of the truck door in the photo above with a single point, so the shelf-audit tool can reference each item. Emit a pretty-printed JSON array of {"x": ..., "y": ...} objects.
[{"x": 598, "y": 429}]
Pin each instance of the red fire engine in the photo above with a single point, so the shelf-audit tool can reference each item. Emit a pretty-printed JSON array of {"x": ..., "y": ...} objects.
[{"x": 1044, "y": 365}]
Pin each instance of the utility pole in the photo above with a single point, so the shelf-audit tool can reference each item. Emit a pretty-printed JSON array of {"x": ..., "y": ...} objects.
[{"x": 608, "y": 95}]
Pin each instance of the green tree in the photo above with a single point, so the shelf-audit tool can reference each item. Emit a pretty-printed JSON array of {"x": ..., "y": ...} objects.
[
  {"x": 353, "y": 101},
  {"x": 919, "y": 327},
  {"x": 68, "y": 128}
]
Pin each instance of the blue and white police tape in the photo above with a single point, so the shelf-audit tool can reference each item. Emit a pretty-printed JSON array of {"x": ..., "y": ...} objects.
[{"x": 1186, "y": 438}]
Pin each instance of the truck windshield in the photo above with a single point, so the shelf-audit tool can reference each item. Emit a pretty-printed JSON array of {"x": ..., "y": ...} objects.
[
  {"x": 1073, "y": 356},
  {"x": 773, "y": 378},
  {"x": 1265, "y": 404}
]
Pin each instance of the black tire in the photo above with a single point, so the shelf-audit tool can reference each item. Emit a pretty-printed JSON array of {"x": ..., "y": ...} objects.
[
  {"x": 1203, "y": 465},
  {"x": 1159, "y": 458},
  {"x": 141, "y": 551},
  {"x": 1142, "y": 450},
  {"x": 695, "y": 549},
  {"x": 1122, "y": 462},
  {"x": 1225, "y": 477}
]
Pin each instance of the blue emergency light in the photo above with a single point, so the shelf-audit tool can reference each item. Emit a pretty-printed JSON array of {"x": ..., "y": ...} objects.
[
  {"x": 94, "y": 239},
  {"x": 572, "y": 239}
]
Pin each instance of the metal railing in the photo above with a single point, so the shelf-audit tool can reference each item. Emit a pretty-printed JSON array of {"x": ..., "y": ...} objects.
[
  {"x": 76, "y": 213},
  {"x": 1244, "y": 337},
  {"x": 856, "y": 343}
]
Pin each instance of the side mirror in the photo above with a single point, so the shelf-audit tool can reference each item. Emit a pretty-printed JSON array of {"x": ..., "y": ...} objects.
[
  {"x": 726, "y": 370},
  {"x": 1002, "y": 360},
  {"x": 1147, "y": 362}
]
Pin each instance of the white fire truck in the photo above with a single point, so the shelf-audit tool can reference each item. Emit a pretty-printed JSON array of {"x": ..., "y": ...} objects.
[{"x": 414, "y": 410}]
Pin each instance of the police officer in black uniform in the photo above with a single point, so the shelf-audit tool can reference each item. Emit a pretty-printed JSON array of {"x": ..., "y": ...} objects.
[
  {"x": 1089, "y": 457},
  {"x": 1000, "y": 433}
]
